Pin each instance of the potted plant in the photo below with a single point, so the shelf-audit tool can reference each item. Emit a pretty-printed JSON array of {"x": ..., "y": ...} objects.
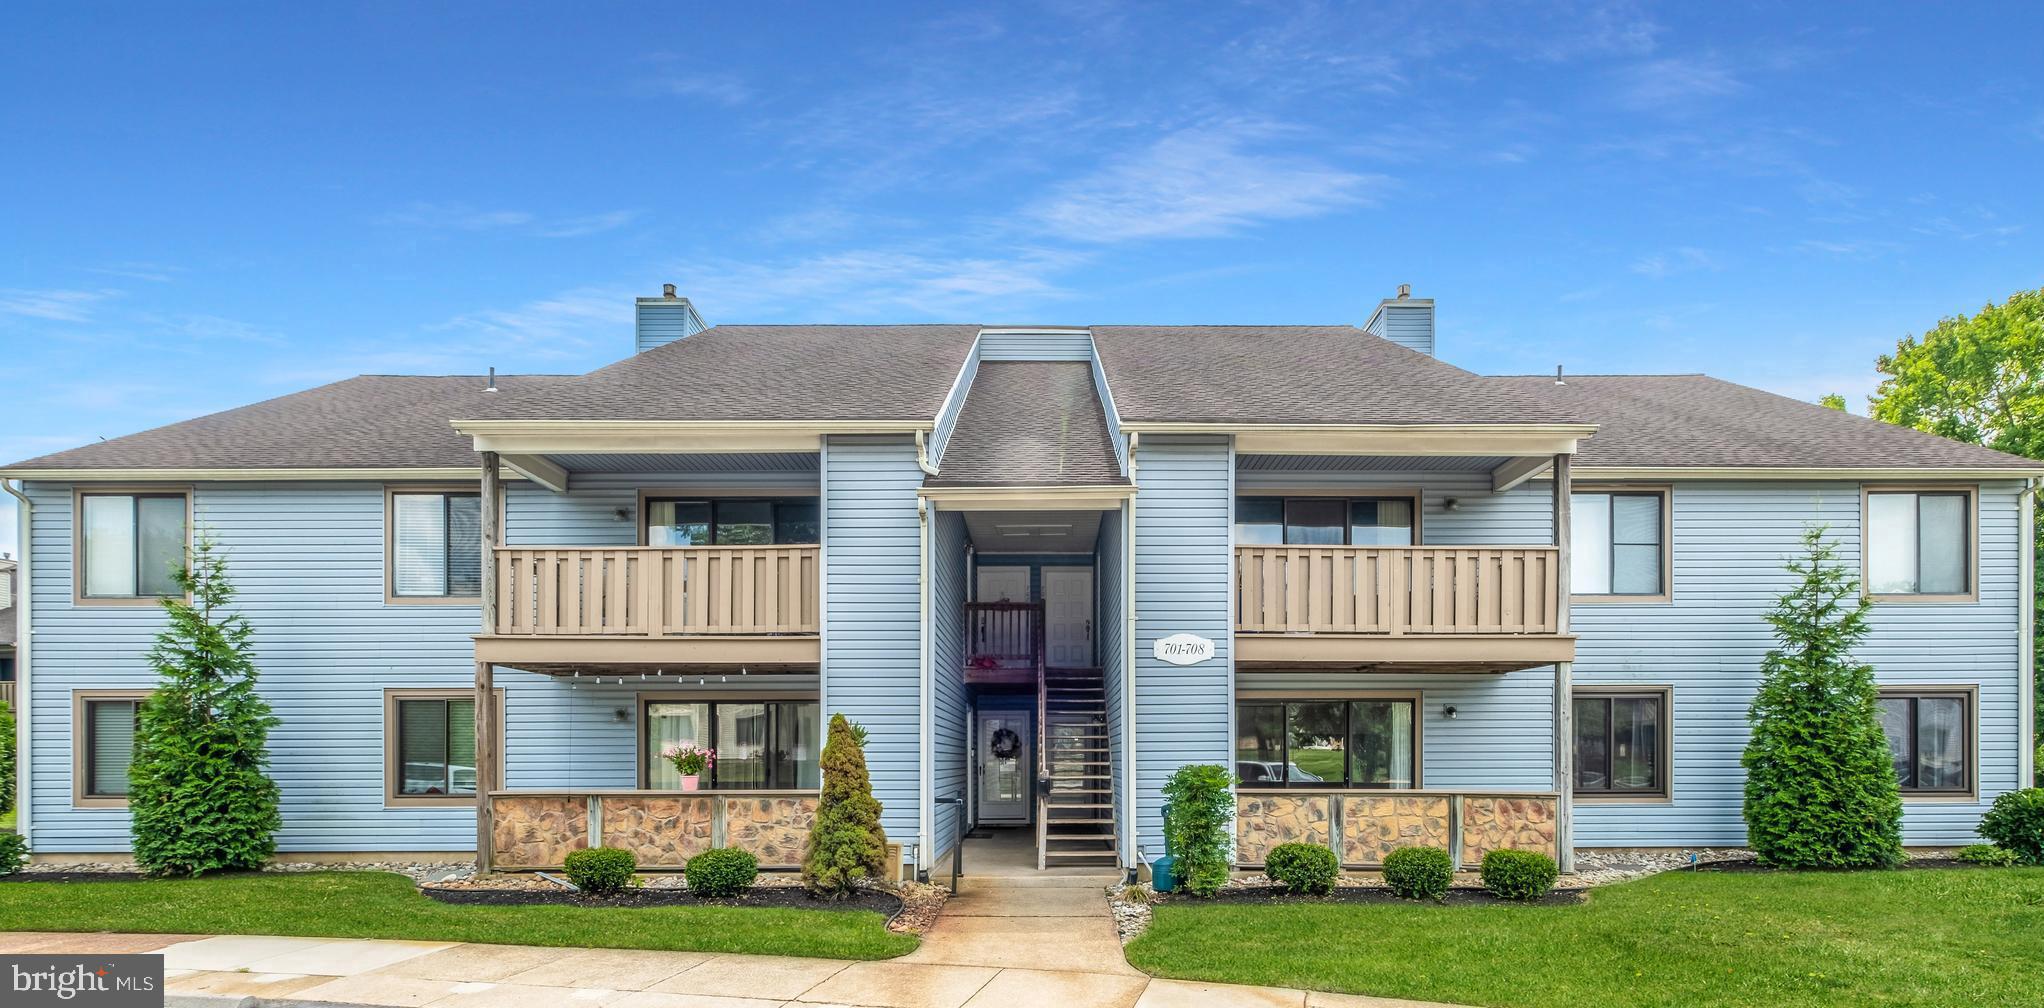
[{"x": 689, "y": 761}]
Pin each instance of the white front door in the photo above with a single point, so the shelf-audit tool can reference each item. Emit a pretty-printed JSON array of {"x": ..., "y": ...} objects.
[
  {"x": 1003, "y": 584},
  {"x": 1068, "y": 616},
  {"x": 1004, "y": 767}
]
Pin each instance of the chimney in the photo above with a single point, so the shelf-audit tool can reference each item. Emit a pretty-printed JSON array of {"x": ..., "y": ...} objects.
[
  {"x": 1405, "y": 320},
  {"x": 664, "y": 319}
]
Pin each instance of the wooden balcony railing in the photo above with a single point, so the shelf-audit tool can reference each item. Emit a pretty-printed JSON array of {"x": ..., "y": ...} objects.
[
  {"x": 1003, "y": 641},
  {"x": 653, "y": 591},
  {"x": 1397, "y": 589}
]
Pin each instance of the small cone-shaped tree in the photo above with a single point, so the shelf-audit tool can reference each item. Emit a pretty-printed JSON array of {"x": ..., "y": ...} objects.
[
  {"x": 846, "y": 844},
  {"x": 200, "y": 799},
  {"x": 1820, "y": 787}
]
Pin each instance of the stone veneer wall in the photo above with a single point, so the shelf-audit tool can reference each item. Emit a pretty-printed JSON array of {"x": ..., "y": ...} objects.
[
  {"x": 1363, "y": 827},
  {"x": 661, "y": 830}
]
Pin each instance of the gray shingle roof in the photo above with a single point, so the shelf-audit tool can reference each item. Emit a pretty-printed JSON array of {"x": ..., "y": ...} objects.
[
  {"x": 370, "y": 422},
  {"x": 1296, "y": 374},
  {"x": 746, "y": 372},
  {"x": 1030, "y": 423},
  {"x": 1696, "y": 421}
]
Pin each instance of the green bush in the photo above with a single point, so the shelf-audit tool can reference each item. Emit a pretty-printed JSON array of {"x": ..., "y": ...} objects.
[
  {"x": 1988, "y": 854},
  {"x": 720, "y": 871},
  {"x": 1197, "y": 824},
  {"x": 6, "y": 758},
  {"x": 13, "y": 853},
  {"x": 1419, "y": 872},
  {"x": 2016, "y": 824},
  {"x": 1518, "y": 875},
  {"x": 1303, "y": 868},
  {"x": 846, "y": 843},
  {"x": 1820, "y": 785},
  {"x": 600, "y": 869},
  {"x": 198, "y": 795}
]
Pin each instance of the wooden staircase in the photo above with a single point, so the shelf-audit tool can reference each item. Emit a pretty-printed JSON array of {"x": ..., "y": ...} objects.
[{"x": 1075, "y": 816}]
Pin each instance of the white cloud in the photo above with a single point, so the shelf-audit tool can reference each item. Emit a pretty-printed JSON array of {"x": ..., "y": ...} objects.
[
  {"x": 879, "y": 283},
  {"x": 722, "y": 89},
  {"x": 1676, "y": 80},
  {"x": 427, "y": 216},
  {"x": 553, "y": 326},
  {"x": 1684, "y": 259},
  {"x": 1198, "y": 183},
  {"x": 52, "y": 305}
]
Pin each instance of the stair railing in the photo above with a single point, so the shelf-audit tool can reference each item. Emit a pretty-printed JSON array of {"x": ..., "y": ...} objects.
[{"x": 1044, "y": 781}]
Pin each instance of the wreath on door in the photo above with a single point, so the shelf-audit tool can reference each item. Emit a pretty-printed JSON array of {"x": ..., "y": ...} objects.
[{"x": 1005, "y": 743}]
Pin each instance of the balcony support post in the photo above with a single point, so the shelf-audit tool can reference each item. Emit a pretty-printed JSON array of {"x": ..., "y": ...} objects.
[
  {"x": 487, "y": 743},
  {"x": 1564, "y": 691}
]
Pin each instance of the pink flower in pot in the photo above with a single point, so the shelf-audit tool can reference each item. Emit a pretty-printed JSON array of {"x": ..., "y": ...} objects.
[{"x": 689, "y": 760}]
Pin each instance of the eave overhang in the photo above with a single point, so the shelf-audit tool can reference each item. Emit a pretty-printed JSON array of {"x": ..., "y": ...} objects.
[
  {"x": 384, "y": 474},
  {"x": 1385, "y": 439},
  {"x": 1052, "y": 498},
  {"x": 591, "y": 437},
  {"x": 1619, "y": 473}
]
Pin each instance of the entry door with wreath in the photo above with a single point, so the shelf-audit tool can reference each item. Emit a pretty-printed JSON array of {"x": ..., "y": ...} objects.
[{"x": 1004, "y": 767}]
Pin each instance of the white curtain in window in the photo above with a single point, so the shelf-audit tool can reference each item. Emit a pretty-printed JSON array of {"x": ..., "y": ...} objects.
[
  {"x": 109, "y": 546},
  {"x": 1635, "y": 544},
  {"x": 112, "y": 733},
  {"x": 1891, "y": 543},
  {"x": 1590, "y": 544},
  {"x": 671, "y": 724},
  {"x": 421, "y": 544},
  {"x": 1941, "y": 532}
]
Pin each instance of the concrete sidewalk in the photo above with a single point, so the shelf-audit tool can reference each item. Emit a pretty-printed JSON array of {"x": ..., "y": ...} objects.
[{"x": 253, "y": 971}]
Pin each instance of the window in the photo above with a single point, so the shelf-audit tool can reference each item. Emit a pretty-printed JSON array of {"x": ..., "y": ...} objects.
[
  {"x": 429, "y": 745},
  {"x": 1919, "y": 543},
  {"x": 130, "y": 545},
  {"x": 1618, "y": 543},
  {"x": 1367, "y": 743},
  {"x": 1622, "y": 743},
  {"x": 436, "y": 545},
  {"x": 768, "y": 744},
  {"x": 104, "y": 730},
  {"x": 730, "y": 521},
  {"x": 1324, "y": 521},
  {"x": 1930, "y": 739}
]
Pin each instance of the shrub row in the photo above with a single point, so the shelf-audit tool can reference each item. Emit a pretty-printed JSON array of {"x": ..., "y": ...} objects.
[
  {"x": 1414, "y": 872},
  {"x": 720, "y": 871}
]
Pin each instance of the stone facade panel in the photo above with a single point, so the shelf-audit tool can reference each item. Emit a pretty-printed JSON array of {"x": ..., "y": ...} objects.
[
  {"x": 1375, "y": 825},
  {"x": 1506, "y": 823},
  {"x": 1262, "y": 821},
  {"x": 775, "y": 830},
  {"x": 537, "y": 831},
  {"x": 660, "y": 832}
]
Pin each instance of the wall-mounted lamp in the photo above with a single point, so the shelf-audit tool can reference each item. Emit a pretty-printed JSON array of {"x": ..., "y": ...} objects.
[
  {"x": 621, "y": 715},
  {"x": 622, "y": 514},
  {"x": 1451, "y": 504},
  {"x": 1448, "y": 712}
]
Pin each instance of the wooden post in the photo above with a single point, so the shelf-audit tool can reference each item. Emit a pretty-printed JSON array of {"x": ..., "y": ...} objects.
[
  {"x": 1564, "y": 692},
  {"x": 487, "y": 743}
]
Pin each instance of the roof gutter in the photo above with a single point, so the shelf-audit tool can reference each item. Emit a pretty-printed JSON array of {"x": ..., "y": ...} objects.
[
  {"x": 1470, "y": 440},
  {"x": 1804, "y": 472},
  {"x": 554, "y": 437},
  {"x": 445, "y": 473},
  {"x": 24, "y": 648}
]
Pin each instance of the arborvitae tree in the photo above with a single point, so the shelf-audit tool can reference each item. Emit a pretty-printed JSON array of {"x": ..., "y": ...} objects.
[
  {"x": 199, "y": 797},
  {"x": 846, "y": 844},
  {"x": 1820, "y": 787},
  {"x": 6, "y": 758}
]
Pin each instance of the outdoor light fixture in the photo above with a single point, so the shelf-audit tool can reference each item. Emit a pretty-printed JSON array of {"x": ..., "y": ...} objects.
[
  {"x": 1451, "y": 504},
  {"x": 1448, "y": 712}
]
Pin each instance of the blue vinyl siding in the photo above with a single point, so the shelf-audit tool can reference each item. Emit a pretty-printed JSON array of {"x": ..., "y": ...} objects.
[
  {"x": 872, "y": 640},
  {"x": 1183, "y": 536},
  {"x": 1109, "y": 645},
  {"x": 950, "y": 706},
  {"x": 1065, "y": 346},
  {"x": 1409, "y": 326},
  {"x": 660, "y": 321}
]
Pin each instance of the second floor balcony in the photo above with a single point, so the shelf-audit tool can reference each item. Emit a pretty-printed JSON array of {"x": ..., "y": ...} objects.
[{"x": 1470, "y": 608}]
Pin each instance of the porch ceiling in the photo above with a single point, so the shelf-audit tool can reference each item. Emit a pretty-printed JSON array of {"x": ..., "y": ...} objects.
[
  {"x": 1368, "y": 463},
  {"x": 1033, "y": 531},
  {"x": 1404, "y": 652},
  {"x": 695, "y": 462},
  {"x": 565, "y": 654}
]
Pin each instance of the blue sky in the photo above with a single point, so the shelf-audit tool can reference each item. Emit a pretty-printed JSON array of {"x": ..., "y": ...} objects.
[{"x": 203, "y": 205}]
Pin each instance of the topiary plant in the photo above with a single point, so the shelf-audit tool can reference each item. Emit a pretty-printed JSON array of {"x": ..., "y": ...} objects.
[
  {"x": 721, "y": 871},
  {"x": 1196, "y": 823},
  {"x": 1989, "y": 855},
  {"x": 600, "y": 869},
  {"x": 846, "y": 844},
  {"x": 1419, "y": 872},
  {"x": 198, "y": 796},
  {"x": 2016, "y": 824},
  {"x": 1518, "y": 875},
  {"x": 1821, "y": 790},
  {"x": 1303, "y": 868},
  {"x": 13, "y": 853}
]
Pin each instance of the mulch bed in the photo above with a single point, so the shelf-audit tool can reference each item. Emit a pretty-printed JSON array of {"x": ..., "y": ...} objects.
[
  {"x": 1372, "y": 894},
  {"x": 786, "y": 897},
  {"x": 75, "y": 876}
]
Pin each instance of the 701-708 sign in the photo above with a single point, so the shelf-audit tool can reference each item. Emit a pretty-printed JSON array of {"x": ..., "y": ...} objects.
[{"x": 1183, "y": 649}]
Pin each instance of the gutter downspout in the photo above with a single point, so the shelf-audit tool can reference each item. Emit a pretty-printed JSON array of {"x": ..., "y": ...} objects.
[
  {"x": 923, "y": 453},
  {"x": 925, "y": 852},
  {"x": 2026, "y": 702},
  {"x": 1128, "y": 663},
  {"x": 23, "y": 648}
]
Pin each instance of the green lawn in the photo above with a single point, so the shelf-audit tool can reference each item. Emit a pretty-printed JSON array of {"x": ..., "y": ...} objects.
[
  {"x": 384, "y": 905},
  {"x": 1932, "y": 937}
]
